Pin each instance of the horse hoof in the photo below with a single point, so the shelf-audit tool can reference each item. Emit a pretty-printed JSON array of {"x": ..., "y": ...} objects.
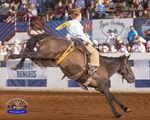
[
  {"x": 128, "y": 110},
  {"x": 14, "y": 67},
  {"x": 119, "y": 116},
  {"x": 6, "y": 58}
]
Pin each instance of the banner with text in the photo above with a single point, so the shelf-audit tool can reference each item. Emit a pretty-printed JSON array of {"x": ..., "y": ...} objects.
[
  {"x": 103, "y": 27},
  {"x": 30, "y": 75}
]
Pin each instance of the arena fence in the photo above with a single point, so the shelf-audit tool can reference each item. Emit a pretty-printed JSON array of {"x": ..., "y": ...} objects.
[{"x": 33, "y": 78}]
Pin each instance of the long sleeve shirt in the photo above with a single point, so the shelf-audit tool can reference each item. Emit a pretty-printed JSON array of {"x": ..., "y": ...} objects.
[{"x": 75, "y": 30}]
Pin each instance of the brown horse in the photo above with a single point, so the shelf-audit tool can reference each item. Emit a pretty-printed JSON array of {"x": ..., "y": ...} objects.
[{"x": 74, "y": 65}]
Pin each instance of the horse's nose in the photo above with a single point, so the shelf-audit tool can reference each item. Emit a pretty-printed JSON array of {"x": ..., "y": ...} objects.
[{"x": 131, "y": 80}]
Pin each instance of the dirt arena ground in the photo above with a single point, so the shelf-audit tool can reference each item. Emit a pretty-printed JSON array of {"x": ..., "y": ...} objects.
[{"x": 74, "y": 106}]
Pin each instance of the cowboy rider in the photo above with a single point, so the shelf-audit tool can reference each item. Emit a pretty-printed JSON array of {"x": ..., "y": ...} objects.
[{"x": 75, "y": 30}]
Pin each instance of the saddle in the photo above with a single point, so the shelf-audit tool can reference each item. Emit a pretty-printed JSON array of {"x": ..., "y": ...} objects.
[
  {"x": 78, "y": 44},
  {"x": 81, "y": 47}
]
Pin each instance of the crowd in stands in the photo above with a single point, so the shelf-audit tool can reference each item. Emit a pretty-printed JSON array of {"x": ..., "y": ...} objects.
[
  {"x": 91, "y": 9},
  {"x": 15, "y": 48},
  {"x": 113, "y": 44}
]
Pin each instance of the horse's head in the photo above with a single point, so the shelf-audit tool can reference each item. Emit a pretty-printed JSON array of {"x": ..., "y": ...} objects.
[{"x": 125, "y": 69}]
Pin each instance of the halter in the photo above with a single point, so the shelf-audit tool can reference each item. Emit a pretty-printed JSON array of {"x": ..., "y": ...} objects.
[{"x": 121, "y": 72}]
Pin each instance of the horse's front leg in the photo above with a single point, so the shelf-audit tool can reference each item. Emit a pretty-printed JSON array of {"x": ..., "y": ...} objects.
[
  {"x": 110, "y": 101},
  {"x": 103, "y": 87},
  {"x": 120, "y": 104}
]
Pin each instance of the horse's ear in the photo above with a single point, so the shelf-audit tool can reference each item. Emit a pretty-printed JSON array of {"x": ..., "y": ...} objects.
[
  {"x": 125, "y": 58},
  {"x": 128, "y": 56}
]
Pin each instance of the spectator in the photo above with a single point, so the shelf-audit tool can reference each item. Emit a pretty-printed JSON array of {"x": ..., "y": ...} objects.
[
  {"x": 25, "y": 2},
  {"x": 16, "y": 47},
  {"x": 90, "y": 10},
  {"x": 130, "y": 35},
  {"x": 125, "y": 9},
  {"x": 148, "y": 46},
  {"x": 104, "y": 49},
  {"x": 80, "y": 4},
  {"x": 119, "y": 42},
  {"x": 136, "y": 37},
  {"x": 60, "y": 11},
  {"x": 112, "y": 48},
  {"x": 23, "y": 10},
  {"x": 123, "y": 48},
  {"x": 111, "y": 39},
  {"x": 49, "y": 5},
  {"x": 14, "y": 9},
  {"x": 99, "y": 10},
  {"x": 33, "y": 2},
  {"x": 73, "y": 4},
  {"x": 144, "y": 4},
  {"x": 8, "y": 49},
  {"x": 131, "y": 11},
  {"x": 138, "y": 47},
  {"x": 41, "y": 7},
  {"x": 5, "y": 50},
  {"x": 112, "y": 5},
  {"x": 140, "y": 10},
  {"x": 33, "y": 11},
  {"x": 68, "y": 11},
  {"x": 4, "y": 12}
]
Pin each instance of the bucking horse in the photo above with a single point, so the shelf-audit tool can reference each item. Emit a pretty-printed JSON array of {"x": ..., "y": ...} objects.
[{"x": 72, "y": 60}]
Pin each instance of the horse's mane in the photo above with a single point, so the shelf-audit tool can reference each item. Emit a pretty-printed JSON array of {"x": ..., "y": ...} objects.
[
  {"x": 111, "y": 59},
  {"x": 31, "y": 43},
  {"x": 108, "y": 58}
]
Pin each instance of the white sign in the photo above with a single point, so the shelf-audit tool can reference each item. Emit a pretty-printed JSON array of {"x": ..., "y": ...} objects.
[
  {"x": 29, "y": 75},
  {"x": 103, "y": 27},
  {"x": 142, "y": 69}
]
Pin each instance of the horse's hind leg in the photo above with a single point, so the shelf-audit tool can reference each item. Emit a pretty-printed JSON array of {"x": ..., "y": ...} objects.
[{"x": 120, "y": 104}]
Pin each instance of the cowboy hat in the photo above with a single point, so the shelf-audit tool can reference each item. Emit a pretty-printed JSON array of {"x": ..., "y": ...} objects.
[
  {"x": 16, "y": 40},
  {"x": 6, "y": 5},
  {"x": 105, "y": 47}
]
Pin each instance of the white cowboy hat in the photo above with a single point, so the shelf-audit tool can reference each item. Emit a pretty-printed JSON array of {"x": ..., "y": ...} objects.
[
  {"x": 139, "y": 40},
  {"x": 16, "y": 40},
  {"x": 105, "y": 47},
  {"x": 6, "y": 5}
]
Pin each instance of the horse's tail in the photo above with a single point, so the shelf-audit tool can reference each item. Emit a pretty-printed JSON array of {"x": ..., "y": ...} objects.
[{"x": 31, "y": 43}]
